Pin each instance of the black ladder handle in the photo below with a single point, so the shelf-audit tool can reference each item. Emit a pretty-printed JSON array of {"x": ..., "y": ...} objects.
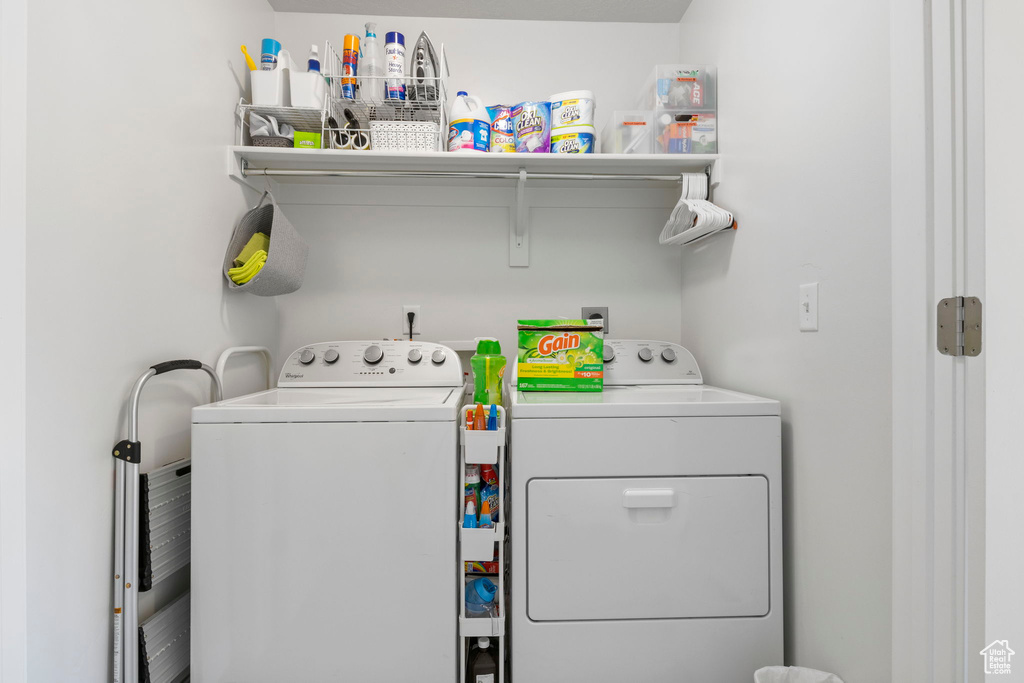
[{"x": 129, "y": 450}]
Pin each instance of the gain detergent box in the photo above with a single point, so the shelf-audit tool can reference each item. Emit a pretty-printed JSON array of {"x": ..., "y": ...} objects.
[{"x": 560, "y": 355}]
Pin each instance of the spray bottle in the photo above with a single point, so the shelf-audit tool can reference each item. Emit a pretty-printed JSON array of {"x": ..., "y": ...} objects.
[
  {"x": 371, "y": 66},
  {"x": 313, "y": 61}
]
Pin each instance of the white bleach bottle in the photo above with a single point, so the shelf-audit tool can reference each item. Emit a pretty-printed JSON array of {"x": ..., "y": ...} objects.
[{"x": 470, "y": 127}]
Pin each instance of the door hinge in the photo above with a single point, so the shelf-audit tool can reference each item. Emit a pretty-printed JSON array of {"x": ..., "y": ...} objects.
[{"x": 959, "y": 326}]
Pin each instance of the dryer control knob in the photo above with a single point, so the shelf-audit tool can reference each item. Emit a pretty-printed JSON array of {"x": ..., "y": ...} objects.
[
  {"x": 306, "y": 357},
  {"x": 646, "y": 355},
  {"x": 415, "y": 356},
  {"x": 438, "y": 357},
  {"x": 373, "y": 354},
  {"x": 668, "y": 355},
  {"x": 609, "y": 354},
  {"x": 331, "y": 356}
]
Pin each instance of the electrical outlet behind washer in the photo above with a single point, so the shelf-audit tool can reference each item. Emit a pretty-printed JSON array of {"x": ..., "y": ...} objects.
[{"x": 591, "y": 312}]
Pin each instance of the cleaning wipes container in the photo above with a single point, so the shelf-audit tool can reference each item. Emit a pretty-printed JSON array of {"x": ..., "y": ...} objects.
[
  {"x": 571, "y": 109},
  {"x": 470, "y": 127}
]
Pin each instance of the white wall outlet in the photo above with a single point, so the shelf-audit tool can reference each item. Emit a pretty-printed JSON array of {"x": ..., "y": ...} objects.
[
  {"x": 406, "y": 310},
  {"x": 591, "y": 312},
  {"x": 809, "y": 307}
]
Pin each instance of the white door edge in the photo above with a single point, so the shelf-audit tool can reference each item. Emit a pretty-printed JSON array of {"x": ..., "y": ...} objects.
[{"x": 938, "y": 447}]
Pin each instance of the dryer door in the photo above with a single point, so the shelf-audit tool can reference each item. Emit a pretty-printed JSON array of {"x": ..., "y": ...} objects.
[{"x": 647, "y": 548}]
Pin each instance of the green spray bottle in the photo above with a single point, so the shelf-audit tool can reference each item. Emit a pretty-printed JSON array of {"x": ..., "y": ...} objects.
[{"x": 488, "y": 368}]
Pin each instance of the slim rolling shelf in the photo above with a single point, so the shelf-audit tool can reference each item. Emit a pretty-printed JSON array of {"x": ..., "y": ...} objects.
[{"x": 481, "y": 447}]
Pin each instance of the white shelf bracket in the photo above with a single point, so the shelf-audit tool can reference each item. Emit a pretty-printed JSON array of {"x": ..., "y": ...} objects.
[
  {"x": 236, "y": 171},
  {"x": 714, "y": 171},
  {"x": 519, "y": 229}
]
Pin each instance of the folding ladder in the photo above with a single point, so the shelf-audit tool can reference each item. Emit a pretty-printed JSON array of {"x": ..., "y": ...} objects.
[{"x": 151, "y": 511}]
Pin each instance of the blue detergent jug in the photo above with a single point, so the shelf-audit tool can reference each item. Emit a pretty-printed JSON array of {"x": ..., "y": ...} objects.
[{"x": 480, "y": 598}]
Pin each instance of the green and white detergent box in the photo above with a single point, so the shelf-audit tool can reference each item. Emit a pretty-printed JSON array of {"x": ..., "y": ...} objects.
[{"x": 560, "y": 355}]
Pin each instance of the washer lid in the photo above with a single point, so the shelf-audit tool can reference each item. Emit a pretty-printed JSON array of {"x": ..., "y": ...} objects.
[
  {"x": 369, "y": 404},
  {"x": 641, "y": 401}
]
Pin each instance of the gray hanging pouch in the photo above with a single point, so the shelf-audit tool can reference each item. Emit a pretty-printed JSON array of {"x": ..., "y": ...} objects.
[{"x": 285, "y": 267}]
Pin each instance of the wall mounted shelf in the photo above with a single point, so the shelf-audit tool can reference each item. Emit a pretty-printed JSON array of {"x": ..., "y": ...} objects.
[{"x": 623, "y": 170}]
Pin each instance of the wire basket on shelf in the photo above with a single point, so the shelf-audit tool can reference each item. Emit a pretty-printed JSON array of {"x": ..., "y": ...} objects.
[
  {"x": 356, "y": 119},
  {"x": 301, "y": 119}
]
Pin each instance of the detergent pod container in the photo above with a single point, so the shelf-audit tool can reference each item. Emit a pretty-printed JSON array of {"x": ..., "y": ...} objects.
[
  {"x": 503, "y": 138},
  {"x": 572, "y": 108},
  {"x": 531, "y": 123},
  {"x": 470, "y": 127},
  {"x": 573, "y": 140}
]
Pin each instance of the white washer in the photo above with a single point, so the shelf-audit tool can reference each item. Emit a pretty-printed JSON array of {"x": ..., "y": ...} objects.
[
  {"x": 646, "y": 527},
  {"x": 323, "y": 520}
]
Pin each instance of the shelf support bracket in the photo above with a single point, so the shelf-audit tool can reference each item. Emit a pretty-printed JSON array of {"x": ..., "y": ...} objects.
[
  {"x": 237, "y": 166},
  {"x": 519, "y": 228},
  {"x": 714, "y": 173}
]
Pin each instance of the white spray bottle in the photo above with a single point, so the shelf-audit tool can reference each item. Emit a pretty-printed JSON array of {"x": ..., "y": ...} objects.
[{"x": 371, "y": 66}]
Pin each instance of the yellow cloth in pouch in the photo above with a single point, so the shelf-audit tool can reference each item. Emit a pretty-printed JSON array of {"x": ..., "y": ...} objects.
[{"x": 258, "y": 242}]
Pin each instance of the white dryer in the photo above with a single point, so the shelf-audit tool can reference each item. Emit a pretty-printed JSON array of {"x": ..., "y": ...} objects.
[
  {"x": 323, "y": 520},
  {"x": 646, "y": 527}
]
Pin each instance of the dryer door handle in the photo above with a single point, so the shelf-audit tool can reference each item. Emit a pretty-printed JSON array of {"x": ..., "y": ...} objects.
[{"x": 648, "y": 498}]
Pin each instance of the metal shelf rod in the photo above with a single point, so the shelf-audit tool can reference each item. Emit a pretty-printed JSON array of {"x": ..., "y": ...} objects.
[{"x": 500, "y": 175}]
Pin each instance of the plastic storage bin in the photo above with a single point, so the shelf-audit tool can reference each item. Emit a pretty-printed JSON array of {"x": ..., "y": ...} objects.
[
  {"x": 690, "y": 87},
  {"x": 268, "y": 88},
  {"x": 679, "y": 132},
  {"x": 629, "y": 132},
  {"x": 404, "y": 136},
  {"x": 307, "y": 89}
]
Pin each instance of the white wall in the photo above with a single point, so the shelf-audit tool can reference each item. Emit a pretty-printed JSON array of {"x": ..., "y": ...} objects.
[
  {"x": 129, "y": 211},
  {"x": 1004, "y": 326},
  {"x": 375, "y": 249},
  {"x": 506, "y": 61},
  {"x": 804, "y": 115},
  {"x": 13, "y": 152}
]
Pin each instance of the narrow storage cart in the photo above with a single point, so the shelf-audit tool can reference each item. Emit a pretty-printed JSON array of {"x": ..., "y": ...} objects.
[
  {"x": 481, "y": 550},
  {"x": 152, "y": 540}
]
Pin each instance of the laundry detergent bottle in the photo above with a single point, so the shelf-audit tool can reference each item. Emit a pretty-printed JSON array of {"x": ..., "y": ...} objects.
[
  {"x": 480, "y": 598},
  {"x": 488, "y": 369},
  {"x": 470, "y": 127}
]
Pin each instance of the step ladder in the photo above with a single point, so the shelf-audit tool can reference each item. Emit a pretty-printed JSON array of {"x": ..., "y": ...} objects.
[{"x": 152, "y": 540}]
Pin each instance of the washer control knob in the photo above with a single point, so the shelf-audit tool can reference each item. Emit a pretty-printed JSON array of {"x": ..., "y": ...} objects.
[
  {"x": 307, "y": 357},
  {"x": 609, "y": 354},
  {"x": 415, "y": 356},
  {"x": 646, "y": 355},
  {"x": 373, "y": 354},
  {"x": 438, "y": 357},
  {"x": 668, "y": 355},
  {"x": 331, "y": 356}
]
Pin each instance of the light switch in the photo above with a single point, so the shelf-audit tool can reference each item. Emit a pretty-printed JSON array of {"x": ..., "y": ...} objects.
[{"x": 809, "y": 307}]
